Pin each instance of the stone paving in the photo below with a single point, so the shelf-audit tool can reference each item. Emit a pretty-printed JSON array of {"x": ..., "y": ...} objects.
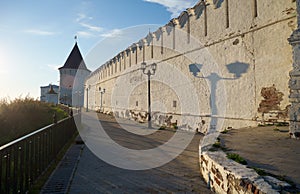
[
  {"x": 268, "y": 148},
  {"x": 262, "y": 147},
  {"x": 59, "y": 180},
  {"x": 95, "y": 176},
  {"x": 181, "y": 175}
]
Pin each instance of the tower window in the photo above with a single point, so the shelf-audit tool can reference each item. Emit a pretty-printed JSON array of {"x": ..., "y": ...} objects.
[{"x": 174, "y": 103}]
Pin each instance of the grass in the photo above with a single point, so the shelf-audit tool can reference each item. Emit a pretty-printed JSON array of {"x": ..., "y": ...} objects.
[
  {"x": 281, "y": 124},
  {"x": 24, "y": 115},
  {"x": 237, "y": 158},
  {"x": 217, "y": 146},
  {"x": 174, "y": 126},
  {"x": 225, "y": 131},
  {"x": 262, "y": 172}
]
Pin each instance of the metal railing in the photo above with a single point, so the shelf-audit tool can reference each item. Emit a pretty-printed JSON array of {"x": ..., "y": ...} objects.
[{"x": 23, "y": 161}]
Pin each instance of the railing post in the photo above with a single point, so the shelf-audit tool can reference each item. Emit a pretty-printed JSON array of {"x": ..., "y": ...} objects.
[
  {"x": 21, "y": 149},
  {"x": 32, "y": 162},
  {"x": 15, "y": 168},
  {"x": 1, "y": 181},
  {"x": 26, "y": 167},
  {"x": 36, "y": 158},
  {"x": 7, "y": 174}
]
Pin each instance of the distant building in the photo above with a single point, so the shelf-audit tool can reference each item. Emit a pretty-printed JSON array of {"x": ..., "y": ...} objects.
[
  {"x": 49, "y": 94},
  {"x": 72, "y": 77}
]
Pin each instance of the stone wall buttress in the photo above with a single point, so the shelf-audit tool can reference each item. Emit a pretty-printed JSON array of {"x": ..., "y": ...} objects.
[{"x": 294, "y": 83}]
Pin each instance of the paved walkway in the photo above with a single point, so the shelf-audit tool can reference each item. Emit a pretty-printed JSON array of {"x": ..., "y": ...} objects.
[
  {"x": 262, "y": 147},
  {"x": 267, "y": 149},
  {"x": 60, "y": 179},
  {"x": 181, "y": 175}
]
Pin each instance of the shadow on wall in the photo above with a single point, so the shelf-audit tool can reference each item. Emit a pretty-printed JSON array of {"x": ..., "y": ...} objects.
[
  {"x": 218, "y": 3},
  {"x": 237, "y": 69},
  {"x": 200, "y": 9}
]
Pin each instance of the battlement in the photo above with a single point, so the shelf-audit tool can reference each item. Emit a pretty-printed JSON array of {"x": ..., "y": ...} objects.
[{"x": 246, "y": 33}]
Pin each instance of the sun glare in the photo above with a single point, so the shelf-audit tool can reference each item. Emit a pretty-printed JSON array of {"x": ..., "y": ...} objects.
[{"x": 4, "y": 60}]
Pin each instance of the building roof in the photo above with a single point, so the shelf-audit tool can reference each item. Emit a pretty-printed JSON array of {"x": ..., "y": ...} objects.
[
  {"x": 54, "y": 86},
  {"x": 74, "y": 60},
  {"x": 51, "y": 91}
]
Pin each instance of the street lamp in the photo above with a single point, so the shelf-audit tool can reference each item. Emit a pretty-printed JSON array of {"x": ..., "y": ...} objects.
[
  {"x": 65, "y": 99},
  {"x": 87, "y": 98},
  {"x": 102, "y": 91},
  {"x": 69, "y": 96},
  {"x": 150, "y": 72},
  {"x": 77, "y": 98}
]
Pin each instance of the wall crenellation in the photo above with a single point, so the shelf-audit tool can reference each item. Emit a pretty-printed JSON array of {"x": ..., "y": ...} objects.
[
  {"x": 224, "y": 10},
  {"x": 233, "y": 31}
]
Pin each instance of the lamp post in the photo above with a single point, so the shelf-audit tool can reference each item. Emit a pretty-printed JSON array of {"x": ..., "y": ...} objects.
[
  {"x": 77, "y": 98},
  {"x": 65, "y": 99},
  {"x": 102, "y": 91},
  {"x": 87, "y": 98},
  {"x": 69, "y": 96},
  {"x": 150, "y": 72}
]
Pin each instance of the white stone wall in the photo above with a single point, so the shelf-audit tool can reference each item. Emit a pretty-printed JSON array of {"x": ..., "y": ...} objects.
[
  {"x": 237, "y": 62},
  {"x": 226, "y": 176},
  {"x": 52, "y": 98},
  {"x": 45, "y": 90},
  {"x": 71, "y": 89}
]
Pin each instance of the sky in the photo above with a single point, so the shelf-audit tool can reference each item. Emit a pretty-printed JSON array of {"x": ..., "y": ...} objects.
[{"x": 36, "y": 37}]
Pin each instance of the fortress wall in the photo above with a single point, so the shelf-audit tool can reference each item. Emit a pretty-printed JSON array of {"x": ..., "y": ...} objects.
[
  {"x": 216, "y": 21},
  {"x": 274, "y": 69},
  {"x": 223, "y": 36}
]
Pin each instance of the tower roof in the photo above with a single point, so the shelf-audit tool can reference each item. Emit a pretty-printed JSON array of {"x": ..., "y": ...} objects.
[
  {"x": 74, "y": 60},
  {"x": 51, "y": 91}
]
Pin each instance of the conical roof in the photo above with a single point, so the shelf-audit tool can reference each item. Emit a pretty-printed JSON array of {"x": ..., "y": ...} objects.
[{"x": 74, "y": 60}]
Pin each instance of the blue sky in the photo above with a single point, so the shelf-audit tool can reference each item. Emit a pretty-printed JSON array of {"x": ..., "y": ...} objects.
[{"x": 37, "y": 36}]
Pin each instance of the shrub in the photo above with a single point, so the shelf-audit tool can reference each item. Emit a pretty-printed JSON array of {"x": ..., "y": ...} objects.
[{"x": 22, "y": 116}]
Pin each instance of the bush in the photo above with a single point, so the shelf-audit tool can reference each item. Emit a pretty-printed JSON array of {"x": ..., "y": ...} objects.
[{"x": 22, "y": 116}]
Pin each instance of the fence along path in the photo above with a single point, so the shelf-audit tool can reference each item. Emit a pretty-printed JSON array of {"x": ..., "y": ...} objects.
[{"x": 24, "y": 160}]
